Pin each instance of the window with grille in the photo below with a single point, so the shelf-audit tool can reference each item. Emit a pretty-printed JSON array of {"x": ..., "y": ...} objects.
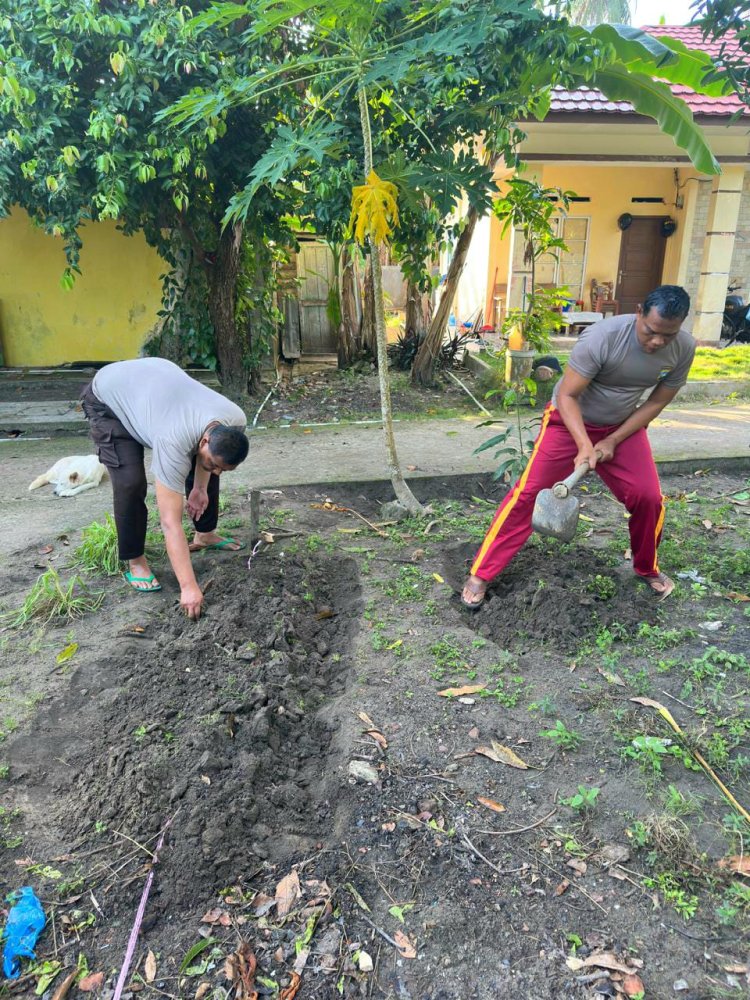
[{"x": 564, "y": 268}]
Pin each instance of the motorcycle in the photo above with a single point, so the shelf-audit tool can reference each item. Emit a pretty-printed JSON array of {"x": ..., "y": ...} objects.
[{"x": 735, "y": 325}]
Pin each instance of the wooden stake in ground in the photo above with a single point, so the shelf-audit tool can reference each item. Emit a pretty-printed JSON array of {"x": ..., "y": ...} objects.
[{"x": 254, "y": 516}]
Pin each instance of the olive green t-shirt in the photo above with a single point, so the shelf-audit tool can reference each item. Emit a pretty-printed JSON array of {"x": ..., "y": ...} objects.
[
  {"x": 164, "y": 409},
  {"x": 610, "y": 354}
]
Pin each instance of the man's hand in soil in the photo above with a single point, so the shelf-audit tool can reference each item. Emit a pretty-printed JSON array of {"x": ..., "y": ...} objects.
[
  {"x": 191, "y": 600},
  {"x": 197, "y": 502}
]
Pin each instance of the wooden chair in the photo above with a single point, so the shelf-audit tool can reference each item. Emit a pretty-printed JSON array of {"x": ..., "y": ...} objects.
[{"x": 602, "y": 297}]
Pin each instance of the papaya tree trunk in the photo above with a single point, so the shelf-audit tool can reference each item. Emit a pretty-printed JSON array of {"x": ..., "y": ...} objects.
[
  {"x": 423, "y": 370},
  {"x": 222, "y": 301},
  {"x": 348, "y": 348},
  {"x": 400, "y": 488},
  {"x": 367, "y": 328}
]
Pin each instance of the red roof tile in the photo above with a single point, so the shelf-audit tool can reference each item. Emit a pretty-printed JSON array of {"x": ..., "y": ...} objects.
[{"x": 588, "y": 100}]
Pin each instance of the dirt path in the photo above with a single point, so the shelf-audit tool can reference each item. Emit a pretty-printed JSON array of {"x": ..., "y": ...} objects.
[{"x": 331, "y": 810}]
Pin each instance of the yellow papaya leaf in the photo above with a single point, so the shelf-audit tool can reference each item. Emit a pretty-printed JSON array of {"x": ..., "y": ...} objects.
[{"x": 374, "y": 209}]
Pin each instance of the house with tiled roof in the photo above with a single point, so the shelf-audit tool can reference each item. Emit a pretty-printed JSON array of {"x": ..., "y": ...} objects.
[{"x": 642, "y": 215}]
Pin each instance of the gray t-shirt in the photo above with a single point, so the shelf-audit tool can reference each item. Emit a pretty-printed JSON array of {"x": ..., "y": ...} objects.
[
  {"x": 621, "y": 371},
  {"x": 165, "y": 410}
]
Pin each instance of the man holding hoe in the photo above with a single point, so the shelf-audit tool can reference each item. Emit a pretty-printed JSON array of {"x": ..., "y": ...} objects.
[
  {"x": 596, "y": 416},
  {"x": 195, "y": 434}
]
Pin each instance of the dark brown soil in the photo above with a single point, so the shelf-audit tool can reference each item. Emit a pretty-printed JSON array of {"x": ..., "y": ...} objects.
[{"x": 240, "y": 731}]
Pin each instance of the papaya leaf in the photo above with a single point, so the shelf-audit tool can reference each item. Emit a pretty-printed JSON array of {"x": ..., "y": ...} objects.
[{"x": 374, "y": 209}]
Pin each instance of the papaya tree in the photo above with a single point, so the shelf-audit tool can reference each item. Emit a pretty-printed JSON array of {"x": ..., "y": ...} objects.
[{"x": 81, "y": 82}]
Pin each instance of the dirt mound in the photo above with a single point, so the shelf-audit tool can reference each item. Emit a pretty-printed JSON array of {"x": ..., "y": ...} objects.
[
  {"x": 547, "y": 597},
  {"x": 228, "y": 738}
]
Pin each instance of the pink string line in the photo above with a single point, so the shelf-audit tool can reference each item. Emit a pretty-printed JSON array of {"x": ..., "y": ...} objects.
[{"x": 135, "y": 931}]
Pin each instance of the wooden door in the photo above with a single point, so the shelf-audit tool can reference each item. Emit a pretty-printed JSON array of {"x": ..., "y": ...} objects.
[
  {"x": 315, "y": 271},
  {"x": 641, "y": 261}
]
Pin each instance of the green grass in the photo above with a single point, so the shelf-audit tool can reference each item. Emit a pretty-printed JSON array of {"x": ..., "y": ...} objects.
[
  {"x": 51, "y": 599},
  {"x": 730, "y": 363},
  {"x": 98, "y": 552}
]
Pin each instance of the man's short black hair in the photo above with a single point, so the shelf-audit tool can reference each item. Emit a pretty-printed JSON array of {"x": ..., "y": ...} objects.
[
  {"x": 229, "y": 444},
  {"x": 670, "y": 301}
]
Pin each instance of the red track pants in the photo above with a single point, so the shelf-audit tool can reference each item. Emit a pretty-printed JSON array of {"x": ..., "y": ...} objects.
[{"x": 631, "y": 475}]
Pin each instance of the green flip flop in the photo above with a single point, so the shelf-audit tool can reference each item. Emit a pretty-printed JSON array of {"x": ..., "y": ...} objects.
[
  {"x": 225, "y": 543},
  {"x": 133, "y": 580}
]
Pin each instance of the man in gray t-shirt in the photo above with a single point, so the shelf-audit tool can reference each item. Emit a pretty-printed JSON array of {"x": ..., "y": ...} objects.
[
  {"x": 598, "y": 415},
  {"x": 195, "y": 434}
]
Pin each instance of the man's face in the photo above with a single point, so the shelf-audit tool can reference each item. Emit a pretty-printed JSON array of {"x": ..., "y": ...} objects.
[
  {"x": 209, "y": 463},
  {"x": 653, "y": 331}
]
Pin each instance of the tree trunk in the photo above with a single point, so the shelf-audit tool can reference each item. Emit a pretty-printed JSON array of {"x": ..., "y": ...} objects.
[
  {"x": 400, "y": 488},
  {"x": 222, "y": 300},
  {"x": 423, "y": 370},
  {"x": 416, "y": 318},
  {"x": 367, "y": 327},
  {"x": 349, "y": 318}
]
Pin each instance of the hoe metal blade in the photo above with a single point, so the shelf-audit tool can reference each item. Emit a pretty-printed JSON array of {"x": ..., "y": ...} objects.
[{"x": 555, "y": 517}]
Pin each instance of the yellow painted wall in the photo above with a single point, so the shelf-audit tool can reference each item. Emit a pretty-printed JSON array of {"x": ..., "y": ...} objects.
[
  {"x": 107, "y": 316},
  {"x": 610, "y": 189}
]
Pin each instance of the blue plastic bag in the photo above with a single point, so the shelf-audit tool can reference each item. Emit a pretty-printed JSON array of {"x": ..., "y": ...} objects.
[{"x": 25, "y": 923}]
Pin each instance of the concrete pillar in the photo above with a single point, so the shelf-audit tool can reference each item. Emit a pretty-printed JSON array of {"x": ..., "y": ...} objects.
[{"x": 726, "y": 194}]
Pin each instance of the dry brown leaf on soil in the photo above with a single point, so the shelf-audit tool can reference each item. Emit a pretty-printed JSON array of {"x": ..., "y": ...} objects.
[
  {"x": 381, "y": 741},
  {"x": 149, "y": 967},
  {"x": 239, "y": 969},
  {"x": 364, "y": 717},
  {"x": 216, "y": 916},
  {"x": 497, "y": 807},
  {"x": 739, "y": 863},
  {"x": 89, "y": 984},
  {"x": 574, "y": 963},
  {"x": 45, "y": 550},
  {"x": 291, "y": 991},
  {"x": 608, "y": 960},
  {"x": 633, "y": 986},
  {"x": 202, "y": 991},
  {"x": 736, "y": 968},
  {"x": 734, "y": 595},
  {"x": 502, "y": 755},
  {"x": 287, "y": 893},
  {"x": 457, "y": 692},
  {"x": 610, "y": 677},
  {"x": 64, "y": 988},
  {"x": 562, "y": 887},
  {"x": 405, "y": 947},
  {"x": 578, "y": 866}
]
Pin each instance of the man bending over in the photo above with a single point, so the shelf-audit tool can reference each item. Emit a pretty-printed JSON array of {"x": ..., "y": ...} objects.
[
  {"x": 195, "y": 434},
  {"x": 596, "y": 416}
]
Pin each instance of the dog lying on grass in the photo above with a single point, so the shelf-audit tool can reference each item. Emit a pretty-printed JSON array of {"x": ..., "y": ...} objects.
[{"x": 73, "y": 475}]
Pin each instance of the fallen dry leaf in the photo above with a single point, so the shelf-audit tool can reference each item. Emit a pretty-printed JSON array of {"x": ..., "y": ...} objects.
[
  {"x": 733, "y": 595},
  {"x": 239, "y": 969},
  {"x": 578, "y": 866},
  {"x": 633, "y": 985},
  {"x": 562, "y": 887},
  {"x": 388, "y": 827},
  {"x": 91, "y": 983},
  {"x": 216, "y": 916},
  {"x": 739, "y": 863},
  {"x": 502, "y": 755},
  {"x": 611, "y": 677},
  {"x": 457, "y": 692},
  {"x": 149, "y": 967},
  {"x": 64, "y": 988},
  {"x": 573, "y": 963},
  {"x": 45, "y": 550},
  {"x": 608, "y": 960},
  {"x": 364, "y": 717},
  {"x": 202, "y": 991},
  {"x": 473, "y": 733},
  {"x": 291, "y": 991},
  {"x": 736, "y": 968},
  {"x": 287, "y": 893},
  {"x": 437, "y": 577},
  {"x": 497, "y": 807},
  {"x": 381, "y": 741},
  {"x": 405, "y": 947}
]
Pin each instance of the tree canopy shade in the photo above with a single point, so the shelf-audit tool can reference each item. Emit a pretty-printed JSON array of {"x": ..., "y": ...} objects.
[
  {"x": 600, "y": 12},
  {"x": 81, "y": 82}
]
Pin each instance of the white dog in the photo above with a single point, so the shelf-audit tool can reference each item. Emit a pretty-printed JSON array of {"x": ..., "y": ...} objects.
[{"x": 72, "y": 475}]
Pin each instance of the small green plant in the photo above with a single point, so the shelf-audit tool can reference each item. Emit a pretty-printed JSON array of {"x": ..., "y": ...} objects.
[
  {"x": 584, "y": 800},
  {"x": 545, "y": 706},
  {"x": 98, "y": 551},
  {"x": 139, "y": 732},
  {"x": 682, "y": 901},
  {"x": 562, "y": 737},
  {"x": 50, "y": 598},
  {"x": 736, "y": 903},
  {"x": 649, "y": 752},
  {"x": 603, "y": 588}
]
